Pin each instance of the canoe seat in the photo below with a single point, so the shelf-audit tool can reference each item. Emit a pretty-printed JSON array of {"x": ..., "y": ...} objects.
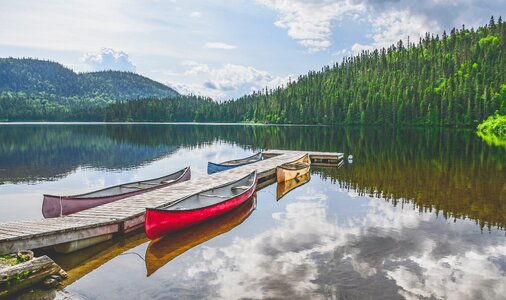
[
  {"x": 218, "y": 196},
  {"x": 240, "y": 187}
]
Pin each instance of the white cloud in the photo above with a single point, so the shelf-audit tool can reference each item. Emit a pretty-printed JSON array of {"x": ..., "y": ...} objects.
[
  {"x": 218, "y": 45},
  {"x": 453, "y": 277},
  {"x": 70, "y": 25},
  {"x": 392, "y": 26},
  {"x": 310, "y": 22},
  {"x": 196, "y": 89},
  {"x": 109, "y": 59},
  {"x": 195, "y": 68},
  {"x": 231, "y": 76},
  {"x": 196, "y": 14},
  {"x": 218, "y": 83}
]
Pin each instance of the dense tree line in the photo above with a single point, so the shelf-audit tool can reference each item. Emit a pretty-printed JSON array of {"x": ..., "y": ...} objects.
[
  {"x": 181, "y": 109},
  {"x": 20, "y": 106},
  {"x": 457, "y": 79}
]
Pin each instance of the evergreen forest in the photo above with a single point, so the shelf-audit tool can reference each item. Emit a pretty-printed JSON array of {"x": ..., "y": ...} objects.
[{"x": 456, "y": 79}]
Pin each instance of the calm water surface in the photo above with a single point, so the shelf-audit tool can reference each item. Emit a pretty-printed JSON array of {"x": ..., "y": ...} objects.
[{"x": 417, "y": 214}]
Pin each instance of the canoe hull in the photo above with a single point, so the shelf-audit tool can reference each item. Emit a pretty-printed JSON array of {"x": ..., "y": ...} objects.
[
  {"x": 215, "y": 167},
  {"x": 283, "y": 175},
  {"x": 161, "y": 222},
  {"x": 55, "y": 206}
]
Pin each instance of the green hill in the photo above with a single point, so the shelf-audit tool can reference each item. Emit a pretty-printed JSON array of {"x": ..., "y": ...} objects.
[
  {"x": 123, "y": 85},
  {"x": 39, "y": 76},
  {"x": 32, "y": 89}
]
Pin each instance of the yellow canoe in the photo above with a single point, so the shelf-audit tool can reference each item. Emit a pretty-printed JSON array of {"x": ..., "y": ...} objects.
[{"x": 293, "y": 169}]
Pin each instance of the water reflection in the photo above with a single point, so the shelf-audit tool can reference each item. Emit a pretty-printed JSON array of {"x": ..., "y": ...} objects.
[
  {"x": 31, "y": 153},
  {"x": 404, "y": 220},
  {"x": 385, "y": 253},
  {"x": 82, "y": 262},
  {"x": 285, "y": 187}
]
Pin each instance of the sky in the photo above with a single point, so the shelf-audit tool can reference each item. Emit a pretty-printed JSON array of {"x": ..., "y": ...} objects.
[{"x": 222, "y": 49}]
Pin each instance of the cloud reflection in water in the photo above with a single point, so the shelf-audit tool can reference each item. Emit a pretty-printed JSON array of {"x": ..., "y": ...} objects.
[{"x": 388, "y": 252}]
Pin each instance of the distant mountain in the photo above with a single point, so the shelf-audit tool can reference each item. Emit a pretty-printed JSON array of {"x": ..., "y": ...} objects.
[
  {"x": 33, "y": 76},
  {"x": 38, "y": 90},
  {"x": 124, "y": 85}
]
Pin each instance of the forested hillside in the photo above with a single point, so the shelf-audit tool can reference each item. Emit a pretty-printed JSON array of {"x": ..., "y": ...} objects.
[
  {"x": 453, "y": 79},
  {"x": 457, "y": 79},
  {"x": 32, "y": 89},
  {"x": 123, "y": 85}
]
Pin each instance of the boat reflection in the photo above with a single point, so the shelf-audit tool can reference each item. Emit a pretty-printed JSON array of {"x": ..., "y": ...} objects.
[
  {"x": 285, "y": 187},
  {"x": 165, "y": 249},
  {"x": 80, "y": 263}
]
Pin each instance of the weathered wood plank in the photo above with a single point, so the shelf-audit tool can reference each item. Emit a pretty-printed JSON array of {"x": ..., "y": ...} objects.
[{"x": 52, "y": 238}]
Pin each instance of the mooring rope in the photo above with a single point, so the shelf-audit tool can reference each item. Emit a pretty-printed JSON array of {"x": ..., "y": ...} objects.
[{"x": 135, "y": 253}]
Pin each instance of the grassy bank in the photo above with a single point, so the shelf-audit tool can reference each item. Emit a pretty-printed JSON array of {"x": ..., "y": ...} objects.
[{"x": 493, "y": 130}]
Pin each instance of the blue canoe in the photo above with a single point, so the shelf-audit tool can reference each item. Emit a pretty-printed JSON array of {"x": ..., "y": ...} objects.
[{"x": 214, "y": 167}]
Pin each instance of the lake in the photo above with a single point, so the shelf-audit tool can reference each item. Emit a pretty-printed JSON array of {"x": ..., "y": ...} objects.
[{"x": 418, "y": 213}]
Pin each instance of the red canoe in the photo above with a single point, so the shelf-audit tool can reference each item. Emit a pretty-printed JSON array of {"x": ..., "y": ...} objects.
[
  {"x": 198, "y": 207},
  {"x": 55, "y": 206},
  {"x": 163, "y": 250}
]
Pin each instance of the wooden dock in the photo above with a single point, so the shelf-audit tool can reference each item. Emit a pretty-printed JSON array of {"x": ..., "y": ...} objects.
[{"x": 126, "y": 215}]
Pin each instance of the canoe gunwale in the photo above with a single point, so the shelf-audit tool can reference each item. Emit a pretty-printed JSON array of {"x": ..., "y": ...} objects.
[
  {"x": 254, "y": 173},
  {"x": 79, "y": 196},
  {"x": 241, "y": 161},
  {"x": 299, "y": 159},
  {"x": 298, "y": 162},
  {"x": 288, "y": 166}
]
